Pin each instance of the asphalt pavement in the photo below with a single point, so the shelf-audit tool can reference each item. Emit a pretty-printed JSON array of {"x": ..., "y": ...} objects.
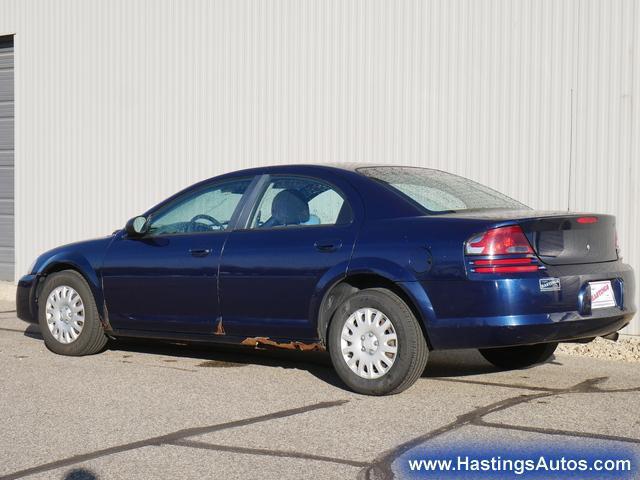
[{"x": 150, "y": 410}]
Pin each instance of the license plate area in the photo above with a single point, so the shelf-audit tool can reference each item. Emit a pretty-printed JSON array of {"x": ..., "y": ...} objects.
[{"x": 602, "y": 295}]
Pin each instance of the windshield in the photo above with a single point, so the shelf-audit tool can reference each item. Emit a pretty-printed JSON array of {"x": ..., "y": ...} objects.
[{"x": 438, "y": 191}]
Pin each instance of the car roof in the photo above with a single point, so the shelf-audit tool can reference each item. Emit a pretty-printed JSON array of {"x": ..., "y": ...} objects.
[{"x": 350, "y": 167}]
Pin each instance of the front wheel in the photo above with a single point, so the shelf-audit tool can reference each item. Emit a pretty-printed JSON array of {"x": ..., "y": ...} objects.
[
  {"x": 68, "y": 317},
  {"x": 376, "y": 344},
  {"x": 509, "y": 358}
]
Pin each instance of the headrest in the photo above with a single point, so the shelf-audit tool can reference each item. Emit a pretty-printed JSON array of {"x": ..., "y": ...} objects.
[{"x": 290, "y": 208}]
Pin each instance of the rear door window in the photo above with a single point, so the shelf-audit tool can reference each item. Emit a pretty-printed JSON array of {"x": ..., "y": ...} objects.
[{"x": 299, "y": 202}]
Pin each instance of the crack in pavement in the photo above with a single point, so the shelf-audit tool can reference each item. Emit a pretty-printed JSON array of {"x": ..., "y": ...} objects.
[
  {"x": 380, "y": 469},
  {"x": 553, "y": 431},
  {"x": 168, "y": 439},
  {"x": 517, "y": 386},
  {"x": 267, "y": 452}
]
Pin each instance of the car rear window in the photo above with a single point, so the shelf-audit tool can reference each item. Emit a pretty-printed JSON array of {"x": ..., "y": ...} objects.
[{"x": 438, "y": 192}]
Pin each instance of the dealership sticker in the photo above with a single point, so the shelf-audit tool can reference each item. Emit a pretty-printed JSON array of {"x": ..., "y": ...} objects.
[{"x": 549, "y": 284}]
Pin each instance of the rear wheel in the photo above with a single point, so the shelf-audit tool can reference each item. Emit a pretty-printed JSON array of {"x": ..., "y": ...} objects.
[
  {"x": 509, "y": 358},
  {"x": 376, "y": 343},
  {"x": 68, "y": 316}
]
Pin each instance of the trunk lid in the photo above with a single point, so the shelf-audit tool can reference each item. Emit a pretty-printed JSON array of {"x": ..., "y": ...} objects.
[
  {"x": 572, "y": 239},
  {"x": 561, "y": 238}
]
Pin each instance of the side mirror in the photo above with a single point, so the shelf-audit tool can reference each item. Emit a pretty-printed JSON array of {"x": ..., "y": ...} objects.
[{"x": 137, "y": 226}]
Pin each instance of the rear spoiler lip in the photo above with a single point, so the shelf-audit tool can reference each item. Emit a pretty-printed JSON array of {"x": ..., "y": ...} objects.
[{"x": 495, "y": 219}]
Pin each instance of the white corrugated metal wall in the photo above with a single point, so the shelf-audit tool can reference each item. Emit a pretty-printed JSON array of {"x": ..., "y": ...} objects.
[
  {"x": 120, "y": 103},
  {"x": 7, "y": 236}
]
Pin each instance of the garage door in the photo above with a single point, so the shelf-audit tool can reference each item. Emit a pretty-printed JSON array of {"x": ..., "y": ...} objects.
[{"x": 6, "y": 159}]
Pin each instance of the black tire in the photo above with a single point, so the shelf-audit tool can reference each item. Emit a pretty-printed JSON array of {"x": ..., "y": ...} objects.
[
  {"x": 412, "y": 350},
  {"x": 510, "y": 358},
  {"x": 91, "y": 338}
]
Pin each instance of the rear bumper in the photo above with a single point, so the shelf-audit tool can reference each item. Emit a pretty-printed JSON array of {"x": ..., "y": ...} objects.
[
  {"x": 514, "y": 330},
  {"x": 26, "y": 308},
  {"x": 494, "y": 311}
]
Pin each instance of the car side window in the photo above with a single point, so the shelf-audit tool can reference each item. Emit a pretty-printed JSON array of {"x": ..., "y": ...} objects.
[
  {"x": 300, "y": 201},
  {"x": 206, "y": 210}
]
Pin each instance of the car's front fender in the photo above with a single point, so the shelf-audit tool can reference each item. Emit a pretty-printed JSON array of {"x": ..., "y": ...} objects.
[
  {"x": 73, "y": 261},
  {"x": 84, "y": 257}
]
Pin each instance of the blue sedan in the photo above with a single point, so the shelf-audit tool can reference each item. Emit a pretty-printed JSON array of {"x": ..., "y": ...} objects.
[{"x": 377, "y": 264}]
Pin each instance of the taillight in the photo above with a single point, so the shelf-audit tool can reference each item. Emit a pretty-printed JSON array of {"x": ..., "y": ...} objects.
[
  {"x": 509, "y": 241},
  {"x": 499, "y": 241}
]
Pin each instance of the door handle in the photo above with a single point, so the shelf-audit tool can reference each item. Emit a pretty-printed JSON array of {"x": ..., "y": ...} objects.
[
  {"x": 199, "y": 252},
  {"x": 328, "y": 245}
]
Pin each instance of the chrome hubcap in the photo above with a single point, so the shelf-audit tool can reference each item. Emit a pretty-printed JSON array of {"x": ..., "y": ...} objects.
[
  {"x": 65, "y": 314},
  {"x": 369, "y": 343}
]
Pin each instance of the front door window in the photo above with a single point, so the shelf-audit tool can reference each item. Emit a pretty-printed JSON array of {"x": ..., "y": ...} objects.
[{"x": 206, "y": 210}]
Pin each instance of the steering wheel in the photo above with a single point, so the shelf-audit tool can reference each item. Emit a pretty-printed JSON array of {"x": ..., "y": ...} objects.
[{"x": 203, "y": 216}]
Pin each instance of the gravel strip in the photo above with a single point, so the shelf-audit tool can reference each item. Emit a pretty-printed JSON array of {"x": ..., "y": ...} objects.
[{"x": 626, "y": 349}]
